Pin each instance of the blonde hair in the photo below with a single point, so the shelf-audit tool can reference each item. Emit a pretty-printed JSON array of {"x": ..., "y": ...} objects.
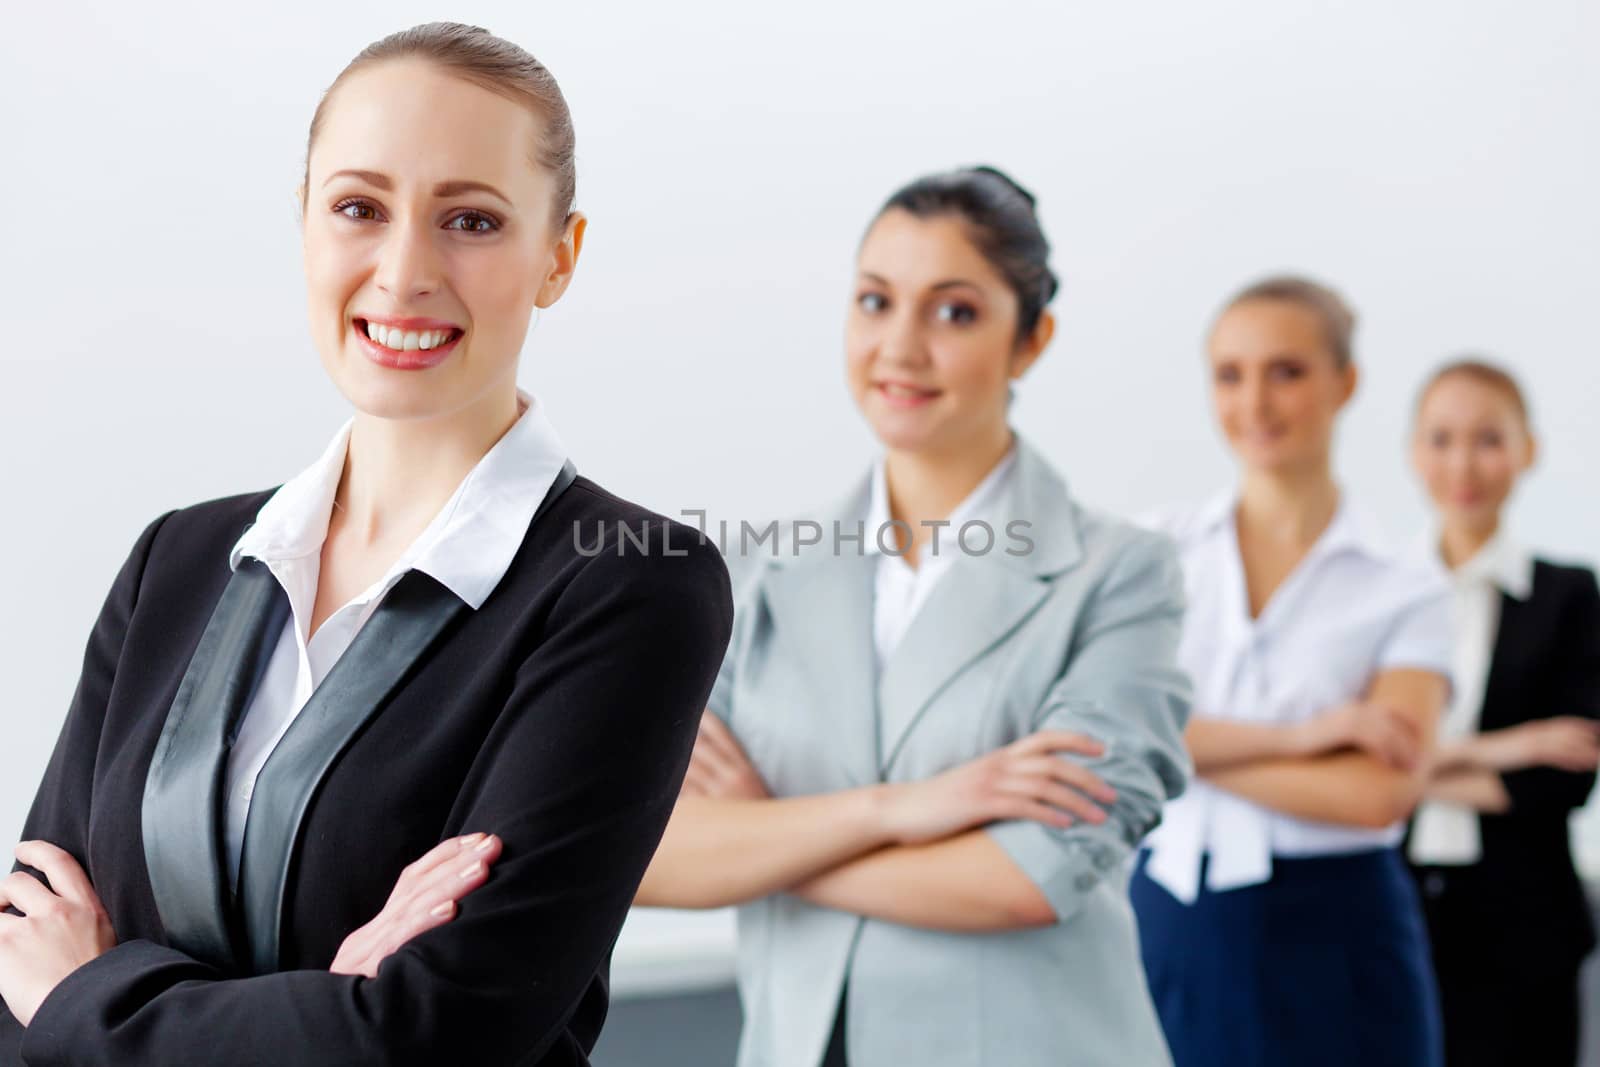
[
  {"x": 1483, "y": 372},
  {"x": 475, "y": 55},
  {"x": 1338, "y": 321}
]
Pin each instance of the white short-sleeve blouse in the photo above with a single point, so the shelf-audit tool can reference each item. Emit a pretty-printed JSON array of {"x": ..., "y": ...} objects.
[{"x": 1350, "y": 609}]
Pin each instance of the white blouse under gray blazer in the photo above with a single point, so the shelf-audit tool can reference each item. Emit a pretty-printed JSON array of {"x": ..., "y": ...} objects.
[{"x": 1080, "y": 633}]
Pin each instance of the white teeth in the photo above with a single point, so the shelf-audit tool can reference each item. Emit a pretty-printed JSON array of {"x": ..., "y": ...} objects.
[{"x": 407, "y": 340}]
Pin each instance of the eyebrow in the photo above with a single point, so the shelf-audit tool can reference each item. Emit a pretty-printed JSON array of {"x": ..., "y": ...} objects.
[
  {"x": 454, "y": 187},
  {"x": 948, "y": 283}
]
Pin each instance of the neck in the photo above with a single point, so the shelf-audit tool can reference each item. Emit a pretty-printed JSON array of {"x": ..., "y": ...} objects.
[
  {"x": 398, "y": 473},
  {"x": 926, "y": 485},
  {"x": 1460, "y": 542},
  {"x": 1292, "y": 506}
]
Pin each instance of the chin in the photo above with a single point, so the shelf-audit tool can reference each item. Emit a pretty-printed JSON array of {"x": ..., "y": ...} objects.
[
  {"x": 903, "y": 435},
  {"x": 1272, "y": 459},
  {"x": 392, "y": 394}
]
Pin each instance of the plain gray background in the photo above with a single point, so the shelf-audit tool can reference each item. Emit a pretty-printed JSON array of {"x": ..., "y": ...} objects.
[{"x": 1436, "y": 160}]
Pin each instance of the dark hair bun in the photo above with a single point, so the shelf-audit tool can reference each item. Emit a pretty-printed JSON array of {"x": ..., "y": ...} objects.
[{"x": 996, "y": 172}]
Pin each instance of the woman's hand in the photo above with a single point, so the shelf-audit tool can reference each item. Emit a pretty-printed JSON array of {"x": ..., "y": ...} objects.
[
  {"x": 719, "y": 767},
  {"x": 1370, "y": 726},
  {"x": 62, "y": 927},
  {"x": 425, "y": 896},
  {"x": 1565, "y": 742},
  {"x": 1024, "y": 780}
]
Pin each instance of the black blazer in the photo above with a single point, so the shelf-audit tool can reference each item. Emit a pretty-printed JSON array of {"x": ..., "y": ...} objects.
[
  {"x": 560, "y": 716},
  {"x": 1522, "y": 905}
]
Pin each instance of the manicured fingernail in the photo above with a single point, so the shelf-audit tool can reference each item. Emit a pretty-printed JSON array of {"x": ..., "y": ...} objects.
[
  {"x": 468, "y": 872},
  {"x": 484, "y": 845},
  {"x": 471, "y": 839},
  {"x": 442, "y": 909}
]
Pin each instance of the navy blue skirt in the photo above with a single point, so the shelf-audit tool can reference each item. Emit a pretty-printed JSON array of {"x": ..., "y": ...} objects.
[{"x": 1326, "y": 964}]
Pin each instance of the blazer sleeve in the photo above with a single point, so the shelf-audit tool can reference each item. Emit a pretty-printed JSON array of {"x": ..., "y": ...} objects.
[
  {"x": 60, "y": 810},
  {"x": 1122, "y": 686},
  {"x": 745, "y": 578},
  {"x": 578, "y": 779},
  {"x": 1539, "y": 790}
]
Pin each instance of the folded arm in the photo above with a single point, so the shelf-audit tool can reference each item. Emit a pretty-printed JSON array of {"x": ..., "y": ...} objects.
[
  {"x": 60, "y": 809},
  {"x": 578, "y": 787},
  {"x": 1354, "y": 788},
  {"x": 1120, "y": 685}
]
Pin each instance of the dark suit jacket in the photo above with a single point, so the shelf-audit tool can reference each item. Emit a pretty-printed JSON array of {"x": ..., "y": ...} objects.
[
  {"x": 560, "y": 716},
  {"x": 1522, "y": 906}
]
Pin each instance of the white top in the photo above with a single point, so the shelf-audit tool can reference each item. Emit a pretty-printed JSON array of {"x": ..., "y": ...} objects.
[
  {"x": 1446, "y": 833},
  {"x": 467, "y": 547},
  {"x": 899, "y": 589},
  {"x": 1348, "y": 610}
]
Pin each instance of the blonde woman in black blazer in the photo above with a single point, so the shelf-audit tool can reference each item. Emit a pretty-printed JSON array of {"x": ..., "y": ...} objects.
[
  {"x": 1506, "y": 912},
  {"x": 424, "y": 858}
]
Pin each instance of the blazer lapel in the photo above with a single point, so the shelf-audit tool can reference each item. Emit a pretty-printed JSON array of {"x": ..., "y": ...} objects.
[
  {"x": 1507, "y": 654},
  {"x": 821, "y": 607},
  {"x": 972, "y": 609},
  {"x": 980, "y": 600},
  {"x": 393, "y": 641},
  {"x": 389, "y": 647},
  {"x": 181, "y": 813}
]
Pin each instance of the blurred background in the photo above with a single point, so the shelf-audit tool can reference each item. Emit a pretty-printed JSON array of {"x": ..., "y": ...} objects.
[{"x": 1436, "y": 161}]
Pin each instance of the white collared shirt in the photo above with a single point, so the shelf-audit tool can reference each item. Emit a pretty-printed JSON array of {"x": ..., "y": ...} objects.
[
  {"x": 900, "y": 590},
  {"x": 467, "y": 547},
  {"x": 1441, "y": 832},
  {"x": 1349, "y": 610}
]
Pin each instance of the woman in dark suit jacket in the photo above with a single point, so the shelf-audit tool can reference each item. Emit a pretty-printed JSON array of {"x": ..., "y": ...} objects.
[
  {"x": 1489, "y": 847},
  {"x": 499, "y": 676}
]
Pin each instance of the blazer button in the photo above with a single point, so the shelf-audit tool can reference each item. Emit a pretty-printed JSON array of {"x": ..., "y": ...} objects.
[
  {"x": 1085, "y": 881},
  {"x": 1434, "y": 884}
]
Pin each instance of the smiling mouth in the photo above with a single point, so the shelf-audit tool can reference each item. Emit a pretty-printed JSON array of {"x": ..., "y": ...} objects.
[{"x": 397, "y": 340}]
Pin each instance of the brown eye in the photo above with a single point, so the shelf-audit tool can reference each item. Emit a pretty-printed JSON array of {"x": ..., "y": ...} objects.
[
  {"x": 489, "y": 224},
  {"x": 957, "y": 312},
  {"x": 1226, "y": 376},
  {"x": 344, "y": 206}
]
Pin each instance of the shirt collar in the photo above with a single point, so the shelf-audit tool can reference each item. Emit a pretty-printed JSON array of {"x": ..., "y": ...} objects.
[
  {"x": 1503, "y": 562},
  {"x": 1350, "y": 530},
  {"x": 974, "y": 503},
  {"x": 469, "y": 544}
]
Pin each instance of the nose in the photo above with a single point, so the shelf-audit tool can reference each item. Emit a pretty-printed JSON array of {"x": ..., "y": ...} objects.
[
  {"x": 408, "y": 263},
  {"x": 901, "y": 343},
  {"x": 1256, "y": 395}
]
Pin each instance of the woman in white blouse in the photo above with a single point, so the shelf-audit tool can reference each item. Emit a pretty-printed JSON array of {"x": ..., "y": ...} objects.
[
  {"x": 1507, "y": 917},
  {"x": 1278, "y": 922}
]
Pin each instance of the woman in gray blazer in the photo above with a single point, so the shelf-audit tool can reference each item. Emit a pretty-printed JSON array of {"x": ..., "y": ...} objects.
[{"x": 951, "y": 706}]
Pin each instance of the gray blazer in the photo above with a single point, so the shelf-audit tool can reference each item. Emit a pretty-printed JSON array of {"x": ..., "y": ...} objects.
[{"x": 1080, "y": 633}]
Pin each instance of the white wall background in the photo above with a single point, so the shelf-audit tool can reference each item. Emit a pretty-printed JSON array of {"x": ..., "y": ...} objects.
[{"x": 1437, "y": 160}]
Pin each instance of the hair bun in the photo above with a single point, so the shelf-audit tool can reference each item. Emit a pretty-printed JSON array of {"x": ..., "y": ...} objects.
[{"x": 996, "y": 172}]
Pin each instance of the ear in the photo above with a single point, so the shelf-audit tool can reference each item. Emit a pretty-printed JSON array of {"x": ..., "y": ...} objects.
[
  {"x": 563, "y": 260},
  {"x": 1349, "y": 379},
  {"x": 1034, "y": 344},
  {"x": 1532, "y": 456}
]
